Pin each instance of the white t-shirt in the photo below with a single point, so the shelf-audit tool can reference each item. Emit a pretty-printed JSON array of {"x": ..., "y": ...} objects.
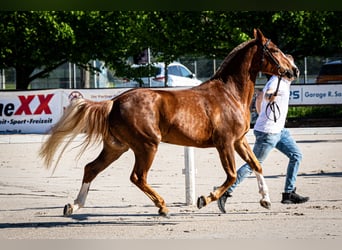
[{"x": 265, "y": 122}]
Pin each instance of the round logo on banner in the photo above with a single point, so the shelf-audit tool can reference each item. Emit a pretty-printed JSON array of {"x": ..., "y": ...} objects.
[{"x": 75, "y": 95}]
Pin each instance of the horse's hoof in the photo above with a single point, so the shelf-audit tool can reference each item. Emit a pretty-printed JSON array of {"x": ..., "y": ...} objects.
[
  {"x": 67, "y": 210},
  {"x": 265, "y": 204},
  {"x": 164, "y": 212},
  {"x": 201, "y": 202}
]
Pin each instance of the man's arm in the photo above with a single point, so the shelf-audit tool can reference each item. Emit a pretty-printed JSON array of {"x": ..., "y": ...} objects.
[
  {"x": 269, "y": 96},
  {"x": 258, "y": 100}
]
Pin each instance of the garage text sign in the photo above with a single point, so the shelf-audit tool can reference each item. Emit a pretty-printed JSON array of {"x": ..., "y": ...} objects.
[{"x": 316, "y": 94}]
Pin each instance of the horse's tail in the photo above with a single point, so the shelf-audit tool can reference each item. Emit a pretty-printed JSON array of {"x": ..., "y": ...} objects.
[{"x": 81, "y": 117}]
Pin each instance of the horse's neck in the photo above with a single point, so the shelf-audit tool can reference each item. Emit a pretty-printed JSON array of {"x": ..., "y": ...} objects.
[
  {"x": 243, "y": 88},
  {"x": 241, "y": 77}
]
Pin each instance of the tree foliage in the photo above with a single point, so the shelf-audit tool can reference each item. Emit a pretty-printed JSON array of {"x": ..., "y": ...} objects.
[
  {"x": 301, "y": 33},
  {"x": 32, "y": 40},
  {"x": 36, "y": 42}
]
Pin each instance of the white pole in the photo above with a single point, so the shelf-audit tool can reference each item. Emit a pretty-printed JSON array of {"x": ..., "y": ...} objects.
[
  {"x": 189, "y": 175},
  {"x": 74, "y": 70},
  {"x": 3, "y": 79},
  {"x": 149, "y": 62},
  {"x": 94, "y": 65},
  {"x": 305, "y": 71},
  {"x": 70, "y": 76}
]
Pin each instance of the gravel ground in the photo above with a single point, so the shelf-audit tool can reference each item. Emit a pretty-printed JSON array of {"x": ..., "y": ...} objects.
[{"x": 32, "y": 199}]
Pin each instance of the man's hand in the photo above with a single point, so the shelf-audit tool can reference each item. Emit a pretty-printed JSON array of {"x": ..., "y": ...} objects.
[{"x": 269, "y": 95}]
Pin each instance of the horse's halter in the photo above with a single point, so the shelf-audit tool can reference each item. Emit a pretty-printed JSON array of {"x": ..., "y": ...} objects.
[
  {"x": 273, "y": 106},
  {"x": 267, "y": 51}
]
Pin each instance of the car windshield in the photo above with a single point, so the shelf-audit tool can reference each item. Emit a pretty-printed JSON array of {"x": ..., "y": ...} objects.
[
  {"x": 178, "y": 70},
  {"x": 173, "y": 70},
  {"x": 185, "y": 72}
]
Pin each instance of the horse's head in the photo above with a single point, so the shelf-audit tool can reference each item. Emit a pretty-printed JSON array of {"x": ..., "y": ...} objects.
[{"x": 274, "y": 61}]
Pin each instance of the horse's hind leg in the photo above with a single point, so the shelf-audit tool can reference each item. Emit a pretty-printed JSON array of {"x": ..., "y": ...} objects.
[
  {"x": 246, "y": 153},
  {"x": 143, "y": 161},
  {"x": 110, "y": 152}
]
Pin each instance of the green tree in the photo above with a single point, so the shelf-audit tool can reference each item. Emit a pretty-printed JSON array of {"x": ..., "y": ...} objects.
[
  {"x": 309, "y": 33},
  {"x": 100, "y": 35},
  {"x": 33, "y": 40},
  {"x": 300, "y": 33},
  {"x": 36, "y": 42},
  {"x": 172, "y": 34}
]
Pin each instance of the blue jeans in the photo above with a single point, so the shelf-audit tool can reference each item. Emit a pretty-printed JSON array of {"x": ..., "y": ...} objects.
[{"x": 264, "y": 143}]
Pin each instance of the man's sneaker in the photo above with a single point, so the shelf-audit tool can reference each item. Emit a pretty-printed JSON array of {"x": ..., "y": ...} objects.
[
  {"x": 221, "y": 202},
  {"x": 293, "y": 198}
]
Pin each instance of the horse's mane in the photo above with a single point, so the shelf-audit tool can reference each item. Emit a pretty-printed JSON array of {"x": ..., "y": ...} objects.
[{"x": 226, "y": 61}]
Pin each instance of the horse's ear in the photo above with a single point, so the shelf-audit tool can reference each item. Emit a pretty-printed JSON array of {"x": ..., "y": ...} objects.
[
  {"x": 255, "y": 33},
  {"x": 259, "y": 35}
]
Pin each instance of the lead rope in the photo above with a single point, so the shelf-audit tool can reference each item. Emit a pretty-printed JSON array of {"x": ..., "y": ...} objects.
[{"x": 273, "y": 106}]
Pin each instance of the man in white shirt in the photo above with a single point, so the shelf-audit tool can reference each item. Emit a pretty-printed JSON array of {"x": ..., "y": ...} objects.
[{"x": 270, "y": 132}]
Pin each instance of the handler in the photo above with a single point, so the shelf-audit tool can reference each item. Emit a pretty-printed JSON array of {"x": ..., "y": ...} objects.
[{"x": 270, "y": 132}]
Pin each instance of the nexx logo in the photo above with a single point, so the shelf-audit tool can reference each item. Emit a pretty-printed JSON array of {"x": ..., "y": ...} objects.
[{"x": 24, "y": 108}]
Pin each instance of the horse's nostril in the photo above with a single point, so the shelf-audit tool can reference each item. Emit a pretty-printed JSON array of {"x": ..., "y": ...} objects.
[{"x": 288, "y": 74}]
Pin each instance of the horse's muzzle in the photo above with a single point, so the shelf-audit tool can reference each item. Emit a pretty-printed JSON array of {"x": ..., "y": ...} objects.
[{"x": 294, "y": 73}]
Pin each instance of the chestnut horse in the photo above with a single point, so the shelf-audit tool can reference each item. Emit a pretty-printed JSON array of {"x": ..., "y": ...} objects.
[{"x": 213, "y": 114}]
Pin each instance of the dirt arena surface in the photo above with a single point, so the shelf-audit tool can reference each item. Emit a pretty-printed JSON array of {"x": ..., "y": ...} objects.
[{"x": 32, "y": 199}]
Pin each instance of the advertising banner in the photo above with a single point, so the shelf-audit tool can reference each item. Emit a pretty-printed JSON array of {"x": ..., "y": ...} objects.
[
  {"x": 29, "y": 111},
  {"x": 316, "y": 94},
  {"x": 36, "y": 111},
  {"x": 91, "y": 94},
  {"x": 24, "y": 112}
]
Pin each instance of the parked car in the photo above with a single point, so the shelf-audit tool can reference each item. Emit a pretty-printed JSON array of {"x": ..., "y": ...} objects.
[
  {"x": 330, "y": 72},
  {"x": 178, "y": 76}
]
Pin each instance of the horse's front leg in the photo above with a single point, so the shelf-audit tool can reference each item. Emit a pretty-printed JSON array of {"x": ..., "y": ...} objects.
[
  {"x": 244, "y": 150},
  {"x": 226, "y": 153},
  {"x": 263, "y": 190}
]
